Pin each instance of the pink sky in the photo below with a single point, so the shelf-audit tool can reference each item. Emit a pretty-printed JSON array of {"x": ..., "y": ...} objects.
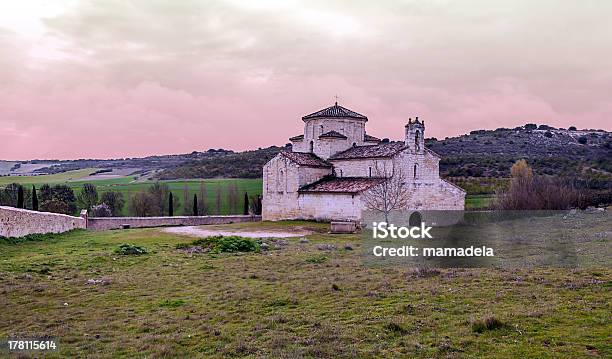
[{"x": 117, "y": 78}]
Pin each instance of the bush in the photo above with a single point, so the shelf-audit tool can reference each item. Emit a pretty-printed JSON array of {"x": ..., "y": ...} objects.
[
  {"x": 228, "y": 244},
  {"x": 572, "y": 128},
  {"x": 531, "y": 126},
  {"x": 490, "y": 323},
  {"x": 548, "y": 134},
  {"x": 582, "y": 140},
  {"x": 101, "y": 210},
  {"x": 130, "y": 249},
  {"x": 114, "y": 200}
]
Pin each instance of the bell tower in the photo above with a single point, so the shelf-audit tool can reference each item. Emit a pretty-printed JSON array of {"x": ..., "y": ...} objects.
[{"x": 415, "y": 135}]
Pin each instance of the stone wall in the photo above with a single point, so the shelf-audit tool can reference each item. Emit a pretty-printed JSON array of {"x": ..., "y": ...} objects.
[
  {"x": 106, "y": 223},
  {"x": 15, "y": 222}
]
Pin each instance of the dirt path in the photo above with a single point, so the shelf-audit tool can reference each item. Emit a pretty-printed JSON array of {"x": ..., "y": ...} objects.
[{"x": 203, "y": 232}]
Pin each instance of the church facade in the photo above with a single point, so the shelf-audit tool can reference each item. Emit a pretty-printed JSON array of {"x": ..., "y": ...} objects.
[{"x": 334, "y": 164}]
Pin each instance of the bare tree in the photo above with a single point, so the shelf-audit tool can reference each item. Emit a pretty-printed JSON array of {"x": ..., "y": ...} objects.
[
  {"x": 203, "y": 208},
  {"x": 391, "y": 193},
  {"x": 232, "y": 197},
  {"x": 186, "y": 210},
  {"x": 218, "y": 199}
]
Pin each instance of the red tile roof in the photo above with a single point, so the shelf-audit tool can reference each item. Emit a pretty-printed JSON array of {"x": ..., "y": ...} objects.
[
  {"x": 380, "y": 150},
  {"x": 306, "y": 159},
  {"x": 341, "y": 185},
  {"x": 335, "y": 111}
]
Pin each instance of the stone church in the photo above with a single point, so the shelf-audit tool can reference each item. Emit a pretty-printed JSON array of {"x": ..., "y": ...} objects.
[{"x": 335, "y": 162}]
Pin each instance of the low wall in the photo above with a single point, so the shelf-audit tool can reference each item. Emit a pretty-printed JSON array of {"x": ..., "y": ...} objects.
[
  {"x": 16, "y": 222},
  {"x": 105, "y": 223}
]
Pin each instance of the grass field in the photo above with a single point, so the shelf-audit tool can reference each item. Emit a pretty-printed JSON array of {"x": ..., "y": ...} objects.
[
  {"x": 297, "y": 301},
  {"x": 128, "y": 185}
]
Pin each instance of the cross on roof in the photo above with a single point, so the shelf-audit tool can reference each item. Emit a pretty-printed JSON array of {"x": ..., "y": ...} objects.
[{"x": 336, "y": 97}]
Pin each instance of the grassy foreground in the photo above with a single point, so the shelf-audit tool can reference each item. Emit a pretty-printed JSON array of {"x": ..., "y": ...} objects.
[{"x": 296, "y": 301}]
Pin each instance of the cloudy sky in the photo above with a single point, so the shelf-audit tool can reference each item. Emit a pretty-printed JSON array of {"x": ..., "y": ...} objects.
[{"x": 120, "y": 78}]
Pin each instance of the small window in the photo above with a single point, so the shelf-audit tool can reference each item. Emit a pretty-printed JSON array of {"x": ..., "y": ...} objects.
[
  {"x": 370, "y": 171},
  {"x": 416, "y": 167},
  {"x": 311, "y": 146},
  {"x": 417, "y": 136},
  {"x": 321, "y": 129},
  {"x": 340, "y": 173}
]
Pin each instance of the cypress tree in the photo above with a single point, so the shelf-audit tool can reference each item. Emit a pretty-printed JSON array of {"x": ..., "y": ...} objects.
[
  {"x": 34, "y": 199},
  {"x": 170, "y": 205},
  {"x": 245, "y": 209},
  {"x": 20, "y": 197},
  {"x": 195, "y": 204}
]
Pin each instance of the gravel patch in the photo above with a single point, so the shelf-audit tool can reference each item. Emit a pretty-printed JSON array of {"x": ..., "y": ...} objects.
[{"x": 196, "y": 231}]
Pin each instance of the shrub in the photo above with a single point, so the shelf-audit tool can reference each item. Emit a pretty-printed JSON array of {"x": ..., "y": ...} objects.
[
  {"x": 171, "y": 303},
  {"x": 548, "y": 134},
  {"x": 531, "y": 126},
  {"x": 101, "y": 210},
  {"x": 114, "y": 200},
  {"x": 582, "y": 140},
  {"x": 317, "y": 259},
  {"x": 228, "y": 244},
  {"x": 490, "y": 323},
  {"x": 572, "y": 128},
  {"x": 130, "y": 249},
  {"x": 395, "y": 327},
  {"x": 57, "y": 199},
  {"x": 88, "y": 197}
]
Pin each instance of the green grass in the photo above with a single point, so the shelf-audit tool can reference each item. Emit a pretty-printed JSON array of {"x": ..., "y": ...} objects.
[
  {"x": 479, "y": 201},
  {"x": 289, "y": 302},
  {"x": 127, "y": 185}
]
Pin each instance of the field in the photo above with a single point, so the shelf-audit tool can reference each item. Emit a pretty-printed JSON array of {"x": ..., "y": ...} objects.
[
  {"x": 296, "y": 301},
  {"x": 128, "y": 185}
]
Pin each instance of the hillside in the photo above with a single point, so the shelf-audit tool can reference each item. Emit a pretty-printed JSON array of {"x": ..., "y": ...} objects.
[
  {"x": 490, "y": 153},
  {"x": 481, "y": 153}
]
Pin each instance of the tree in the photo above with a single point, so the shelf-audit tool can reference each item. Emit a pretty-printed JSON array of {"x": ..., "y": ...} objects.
[
  {"x": 88, "y": 197},
  {"x": 245, "y": 209},
  {"x": 114, "y": 200},
  {"x": 57, "y": 199},
  {"x": 232, "y": 197},
  {"x": 218, "y": 199},
  {"x": 186, "y": 211},
  {"x": 390, "y": 193},
  {"x": 34, "y": 199},
  {"x": 143, "y": 204},
  {"x": 101, "y": 210},
  {"x": 255, "y": 205},
  {"x": 582, "y": 140},
  {"x": 203, "y": 199},
  {"x": 170, "y": 205},
  {"x": 20, "y": 197},
  {"x": 159, "y": 193},
  {"x": 572, "y": 128},
  {"x": 195, "y": 205}
]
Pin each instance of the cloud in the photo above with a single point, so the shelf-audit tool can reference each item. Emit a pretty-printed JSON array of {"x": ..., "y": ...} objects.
[{"x": 165, "y": 77}]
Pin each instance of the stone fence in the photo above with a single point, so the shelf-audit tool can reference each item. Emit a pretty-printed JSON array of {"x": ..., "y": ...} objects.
[
  {"x": 16, "y": 222},
  {"x": 105, "y": 223}
]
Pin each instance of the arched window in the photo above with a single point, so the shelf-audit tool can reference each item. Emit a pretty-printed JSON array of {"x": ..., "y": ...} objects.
[
  {"x": 321, "y": 129},
  {"x": 417, "y": 136},
  {"x": 354, "y": 144},
  {"x": 311, "y": 146},
  {"x": 415, "y": 219},
  {"x": 416, "y": 168},
  {"x": 340, "y": 173}
]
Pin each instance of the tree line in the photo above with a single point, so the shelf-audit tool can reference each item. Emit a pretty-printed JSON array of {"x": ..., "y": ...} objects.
[{"x": 156, "y": 200}]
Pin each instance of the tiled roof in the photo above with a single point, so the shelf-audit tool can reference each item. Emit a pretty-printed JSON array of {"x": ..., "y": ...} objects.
[
  {"x": 371, "y": 138},
  {"x": 306, "y": 159},
  {"x": 373, "y": 151},
  {"x": 335, "y": 111},
  {"x": 296, "y": 138},
  {"x": 341, "y": 185},
  {"x": 333, "y": 134}
]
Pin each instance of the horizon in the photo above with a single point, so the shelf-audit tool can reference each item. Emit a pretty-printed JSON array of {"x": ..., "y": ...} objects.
[{"x": 121, "y": 80}]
